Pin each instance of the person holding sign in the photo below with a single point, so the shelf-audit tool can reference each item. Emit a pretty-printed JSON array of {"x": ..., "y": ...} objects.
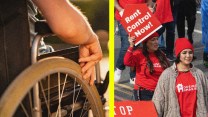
[
  {"x": 182, "y": 89},
  {"x": 119, "y": 7},
  {"x": 150, "y": 62}
]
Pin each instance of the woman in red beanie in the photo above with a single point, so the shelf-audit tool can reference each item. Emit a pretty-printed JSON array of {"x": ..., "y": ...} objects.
[
  {"x": 182, "y": 89},
  {"x": 149, "y": 62}
]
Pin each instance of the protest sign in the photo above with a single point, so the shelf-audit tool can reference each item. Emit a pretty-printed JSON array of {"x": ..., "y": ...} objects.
[
  {"x": 138, "y": 21},
  {"x": 134, "y": 109}
]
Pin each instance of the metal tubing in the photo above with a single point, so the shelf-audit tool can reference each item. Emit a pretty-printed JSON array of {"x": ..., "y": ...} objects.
[
  {"x": 97, "y": 70},
  {"x": 37, "y": 106}
]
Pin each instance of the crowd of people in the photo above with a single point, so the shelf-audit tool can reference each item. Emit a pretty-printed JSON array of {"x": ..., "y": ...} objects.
[{"x": 165, "y": 74}]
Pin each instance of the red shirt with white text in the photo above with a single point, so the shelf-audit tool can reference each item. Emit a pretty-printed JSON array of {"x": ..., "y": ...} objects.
[
  {"x": 123, "y": 3},
  {"x": 186, "y": 93},
  {"x": 143, "y": 76}
]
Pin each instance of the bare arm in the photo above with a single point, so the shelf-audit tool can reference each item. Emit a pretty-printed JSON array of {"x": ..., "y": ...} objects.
[
  {"x": 117, "y": 6},
  {"x": 71, "y": 26},
  {"x": 129, "y": 59},
  {"x": 66, "y": 21},
  {"x": 151, "y": 5}
]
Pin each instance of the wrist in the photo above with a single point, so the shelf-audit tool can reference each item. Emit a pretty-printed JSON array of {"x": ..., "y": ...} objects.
[
  {"x": 131, "y": 45},
  {"x": 92, "y": 39},
  {"x": 118, "y": 7},
  {"x": 130, "y": 49}
]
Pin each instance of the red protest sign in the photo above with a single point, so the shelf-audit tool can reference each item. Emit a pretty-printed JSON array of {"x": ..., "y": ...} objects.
[
  {"x": 134, "y": 109},
  {"x": 138, "y": 21}
]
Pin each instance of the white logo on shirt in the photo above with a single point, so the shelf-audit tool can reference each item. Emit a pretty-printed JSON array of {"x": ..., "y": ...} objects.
[{"x": 182, "y": 88}]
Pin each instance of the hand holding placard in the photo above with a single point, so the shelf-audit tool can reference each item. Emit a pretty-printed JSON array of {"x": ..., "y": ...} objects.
[
  {"x": 138, "y": 21},
  {"x": 121, "y": 12},
  {"x": 131, "y": 40}
]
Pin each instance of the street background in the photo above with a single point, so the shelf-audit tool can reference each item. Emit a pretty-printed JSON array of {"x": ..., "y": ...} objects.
[{"x": 123, "y": 89}]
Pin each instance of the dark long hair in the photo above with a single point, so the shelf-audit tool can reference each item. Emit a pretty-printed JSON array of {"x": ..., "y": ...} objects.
[
  {"x": 159, "y": 54},
  {"x": 178, "y": 59}
]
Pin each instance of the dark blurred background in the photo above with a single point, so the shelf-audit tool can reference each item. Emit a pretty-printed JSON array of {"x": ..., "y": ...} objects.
[{"x": 97, "y": 12}]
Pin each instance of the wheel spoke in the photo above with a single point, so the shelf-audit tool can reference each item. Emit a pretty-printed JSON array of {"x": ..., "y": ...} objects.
[
  {"x": 24, "y": 109},
  {"x": 64, "y": 85},
  {"x": 58, "y": 112},
  {"x": 73, "y": 98},
  {"x": 74, "y": 93},
  {"x": 30, "y": 99},
  {"x": 59, "y": 93},
  {"x": 83, "y": 107},
  {"x": 49, "y": 81},
  {"x": 44, "y": 95},
  {"x": 65, "y": 79},
  {"x": 41, "y": 73}
]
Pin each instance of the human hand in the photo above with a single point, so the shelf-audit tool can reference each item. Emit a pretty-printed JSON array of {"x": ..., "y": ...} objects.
[
  {"x": 89, "y": 55},
  {"x": 121, "y": 12},
  {"x": 151, "y": 9},
  {"x": 152, "y": 6},
  {"x": 131, "y": 40}
]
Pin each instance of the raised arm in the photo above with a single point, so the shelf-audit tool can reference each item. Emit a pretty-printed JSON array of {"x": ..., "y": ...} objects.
[
  {"x": 130, "y": 59},
  {"x": 117, "y": 6}
]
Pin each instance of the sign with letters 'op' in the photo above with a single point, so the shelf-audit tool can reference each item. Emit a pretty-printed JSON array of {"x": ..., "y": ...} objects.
[
  {"x": 138, "y": 21},
  {"x": 134, "y": 109}
]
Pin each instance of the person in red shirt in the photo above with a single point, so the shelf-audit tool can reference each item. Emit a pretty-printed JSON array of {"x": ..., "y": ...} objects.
[
  {"x": 166, "y": 15},
  {"x": 182, "y": 89},
  {"x": 185, "y": 82},
  {"x": 119, "y": 10},
  {"x": 150, "y": 62}
]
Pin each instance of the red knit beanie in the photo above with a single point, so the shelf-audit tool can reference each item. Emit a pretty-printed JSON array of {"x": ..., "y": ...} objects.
[
  {"x": 181, "y": 44},
  {"x": 150, "y": 37}
]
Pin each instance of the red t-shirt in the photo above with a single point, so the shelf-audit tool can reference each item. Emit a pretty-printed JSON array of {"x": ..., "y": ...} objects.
[
  {"x": 186, "y": 93},
  {"x": 123, "y": 3},
  {"x": 143, "y": 76},
  {"x": 163, "y": 11}
]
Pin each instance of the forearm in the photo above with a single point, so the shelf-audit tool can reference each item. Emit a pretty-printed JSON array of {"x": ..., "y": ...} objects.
[
  {"x": 66, "y": 21},
  {"x": 117, "y": 6},
  {"x": 128, "y": 58}
]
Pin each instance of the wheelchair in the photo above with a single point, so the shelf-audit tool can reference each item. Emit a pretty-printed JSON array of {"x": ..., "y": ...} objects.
[{"x": 53, "y": 86}]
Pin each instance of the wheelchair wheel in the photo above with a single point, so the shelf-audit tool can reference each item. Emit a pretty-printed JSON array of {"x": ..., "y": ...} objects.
[{"x": 62, "y": 91}]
